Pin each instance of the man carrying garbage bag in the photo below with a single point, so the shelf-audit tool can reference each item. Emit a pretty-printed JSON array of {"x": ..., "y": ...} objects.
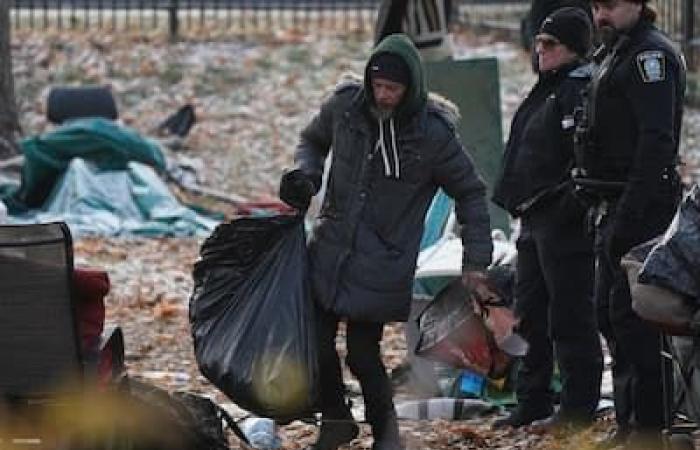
[{"x": 393, "y": 146}]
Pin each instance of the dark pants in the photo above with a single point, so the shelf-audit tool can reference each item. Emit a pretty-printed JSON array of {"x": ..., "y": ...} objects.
[
  {"x": 554, "y": 302},
  {"x": 634, "y": 344},
  {"x": 364, "y": 360}
]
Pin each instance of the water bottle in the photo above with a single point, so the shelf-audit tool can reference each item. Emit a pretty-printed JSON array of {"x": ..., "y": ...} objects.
[{"x": 261, "y": 433}]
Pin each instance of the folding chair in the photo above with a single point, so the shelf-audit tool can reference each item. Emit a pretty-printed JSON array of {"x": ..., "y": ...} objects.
[
  {"x": 40, "y": 349},
  {"x": 681, "y": 386}
]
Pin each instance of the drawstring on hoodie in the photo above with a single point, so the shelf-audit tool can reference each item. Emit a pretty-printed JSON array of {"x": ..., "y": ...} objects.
[
  {"x": 393, "y": 145},
  {"x": 381, "y": 146}
]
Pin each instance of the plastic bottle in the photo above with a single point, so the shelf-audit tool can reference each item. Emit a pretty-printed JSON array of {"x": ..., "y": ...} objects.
[{"x": 261, "y": 433}]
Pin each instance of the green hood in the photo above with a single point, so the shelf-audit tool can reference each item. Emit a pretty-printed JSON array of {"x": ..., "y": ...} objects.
[{"x": 416, "y": 94}]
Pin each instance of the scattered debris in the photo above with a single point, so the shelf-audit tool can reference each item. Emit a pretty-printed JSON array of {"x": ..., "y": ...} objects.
[{"x": 251, "y": 97}]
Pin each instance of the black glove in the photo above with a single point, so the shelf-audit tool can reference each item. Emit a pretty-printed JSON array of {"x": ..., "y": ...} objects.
[{"x": 296, "y": 189}]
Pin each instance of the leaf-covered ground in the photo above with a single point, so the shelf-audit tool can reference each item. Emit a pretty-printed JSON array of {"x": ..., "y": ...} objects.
[{"x": 252, "y": 96}]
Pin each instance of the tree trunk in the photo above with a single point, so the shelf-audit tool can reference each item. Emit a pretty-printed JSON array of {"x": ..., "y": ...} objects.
[{"x": 9, "y": 123}]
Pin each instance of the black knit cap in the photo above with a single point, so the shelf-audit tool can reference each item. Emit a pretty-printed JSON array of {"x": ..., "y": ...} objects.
[
  {"x": 390, "y": 67},
  {"x": 573, "y": 28}
]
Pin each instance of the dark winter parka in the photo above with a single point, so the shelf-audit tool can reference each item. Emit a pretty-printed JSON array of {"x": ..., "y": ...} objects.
[
  {"x": 539, "y": 154},
  {"x": 383, "y": 176},
  {"x": 636, "y": 125}
]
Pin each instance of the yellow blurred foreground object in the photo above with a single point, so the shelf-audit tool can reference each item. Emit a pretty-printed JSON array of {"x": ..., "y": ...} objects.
[
  {"x": 281, "y": 383},
  {"x": 91, "y": 419}
]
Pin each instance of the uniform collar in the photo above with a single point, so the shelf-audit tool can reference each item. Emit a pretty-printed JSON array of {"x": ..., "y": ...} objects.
[{"x": 562, "y": 71}]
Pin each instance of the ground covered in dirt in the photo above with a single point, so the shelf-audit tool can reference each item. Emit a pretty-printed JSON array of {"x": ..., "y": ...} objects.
[{"x": 252, "y": 96}]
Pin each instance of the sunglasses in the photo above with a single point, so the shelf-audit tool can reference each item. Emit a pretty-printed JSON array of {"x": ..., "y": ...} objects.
[{"x": 547, "y": 42}]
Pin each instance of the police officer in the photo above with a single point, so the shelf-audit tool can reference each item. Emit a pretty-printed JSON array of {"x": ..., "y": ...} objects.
[
  {"x": 539, "y": 10},
  {"x": 555, "y": 269},
  {"x": 629, "y": 138}
]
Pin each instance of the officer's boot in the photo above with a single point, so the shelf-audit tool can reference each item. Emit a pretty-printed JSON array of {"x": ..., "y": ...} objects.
[
  {"x": 337, "y": 429},
  {"x": 523, "y": 415},
  {"x": 385, "y": 430}
]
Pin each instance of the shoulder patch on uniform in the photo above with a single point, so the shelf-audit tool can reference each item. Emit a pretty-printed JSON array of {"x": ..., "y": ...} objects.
[{"x": 652, "y": 66}]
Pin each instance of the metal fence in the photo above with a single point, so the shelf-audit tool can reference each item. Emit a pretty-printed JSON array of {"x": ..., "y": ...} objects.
[
  {"x": 178, "y": 16},
  {"x": 679, "y": 18}
]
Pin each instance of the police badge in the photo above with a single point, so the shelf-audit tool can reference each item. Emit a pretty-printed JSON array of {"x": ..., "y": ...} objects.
[{"x": 652, "y": 66}]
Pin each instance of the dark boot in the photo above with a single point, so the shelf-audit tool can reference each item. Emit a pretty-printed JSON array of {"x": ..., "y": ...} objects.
[
  {"x": 522, "y": 415},
  {"x": 614, "y": 439},
  {"x": 563, "y": 422},
  {"x": 385, "y": 430},
  {"x": 644, "y": 440},
  {"x": 336, "y": 432}
]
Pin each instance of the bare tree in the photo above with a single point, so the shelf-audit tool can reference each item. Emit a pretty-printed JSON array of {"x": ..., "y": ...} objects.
[{"x": 9, "y": 122}]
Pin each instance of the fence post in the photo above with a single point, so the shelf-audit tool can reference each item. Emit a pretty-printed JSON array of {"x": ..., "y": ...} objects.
[
  {"x": 689, "y": 33},
  {"x": 173, "y": 20}
]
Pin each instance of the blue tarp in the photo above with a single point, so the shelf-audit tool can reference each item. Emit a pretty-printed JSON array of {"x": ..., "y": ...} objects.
[
  {"x": 134, "y": 201},
  {"x": 104, "y": 143},
  {"x": 100, "y": 178},
  {"x": 434, "y": 229}
]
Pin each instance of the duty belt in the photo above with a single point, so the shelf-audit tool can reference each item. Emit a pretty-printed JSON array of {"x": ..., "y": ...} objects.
[{"x": 603, "y": 188}]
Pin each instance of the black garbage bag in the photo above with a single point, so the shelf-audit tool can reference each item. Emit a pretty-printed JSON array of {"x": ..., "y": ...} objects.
[
  {"x": 252, "y": 316},
  {"x": 179, "y": 123},
  {"x": 674, "y": 263}
]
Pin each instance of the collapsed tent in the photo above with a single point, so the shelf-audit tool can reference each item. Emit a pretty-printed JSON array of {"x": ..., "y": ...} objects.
[{"x": 101, "y": 178}]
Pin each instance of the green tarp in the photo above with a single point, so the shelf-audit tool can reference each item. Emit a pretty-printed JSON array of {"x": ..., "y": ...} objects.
[
  {"x": 131, "y": 202},
  {"x": 104, "y": 143},
  {"x": 473, "y": 85},
  {"x": 101, "y": 179}
]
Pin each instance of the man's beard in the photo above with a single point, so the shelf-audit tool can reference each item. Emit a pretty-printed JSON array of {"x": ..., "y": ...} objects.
[
  {"x": 608, "y": 33},
  {"x": 382, "y": 113}
]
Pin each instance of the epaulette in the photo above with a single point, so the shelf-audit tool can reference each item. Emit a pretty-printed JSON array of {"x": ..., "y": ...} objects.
[{"x": 584, "y": 71}]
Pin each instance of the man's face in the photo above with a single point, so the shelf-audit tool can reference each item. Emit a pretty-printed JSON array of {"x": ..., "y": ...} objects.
[
  {"x": 620, "y": 15},
  {"x": 387, "y": 94},
  {"x": 551, "y": 54}
]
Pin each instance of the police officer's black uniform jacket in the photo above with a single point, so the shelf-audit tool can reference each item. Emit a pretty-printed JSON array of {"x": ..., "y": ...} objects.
[
  {"x": 555, "y": 254},
  {"x": 635, "y": 128},
  {"x": 539, "y": 154},
  {"x": 365, "y": 242},
  {"x": 634, "y": 109}
]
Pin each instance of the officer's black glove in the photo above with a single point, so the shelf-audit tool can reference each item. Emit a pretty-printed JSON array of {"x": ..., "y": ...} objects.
[{"x": 296, "y": 189}]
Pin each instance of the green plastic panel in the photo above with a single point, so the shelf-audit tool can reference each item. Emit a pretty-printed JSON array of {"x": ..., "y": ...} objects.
[{"x": 473, "y": 85}]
